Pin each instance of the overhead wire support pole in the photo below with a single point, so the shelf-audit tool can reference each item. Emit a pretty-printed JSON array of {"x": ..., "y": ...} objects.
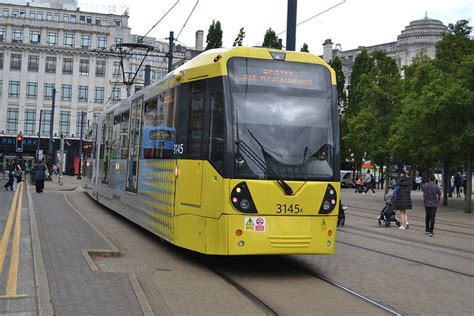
[
  {"x": 310, "y": 18},
  {"x": 170, "y": 52},
  {"x": 291, "y": 25}
]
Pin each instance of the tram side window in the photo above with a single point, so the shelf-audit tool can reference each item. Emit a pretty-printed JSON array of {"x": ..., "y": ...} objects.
[
  {"x": 116, "y": 138},
  {"x": 196, "y": 109},
  {"x": 216, "y": 132},
  {"x": 124, "y": 126},
  {"x": 102, "y": 143}
]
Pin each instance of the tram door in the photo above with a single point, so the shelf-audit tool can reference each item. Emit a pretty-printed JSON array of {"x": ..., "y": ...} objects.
[
  {"x": 134, "y": 145},
  {"x": 106, "y": 147}
]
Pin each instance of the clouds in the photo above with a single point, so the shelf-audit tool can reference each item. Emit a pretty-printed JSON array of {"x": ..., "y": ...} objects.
[{"x": 352, "y": 24}]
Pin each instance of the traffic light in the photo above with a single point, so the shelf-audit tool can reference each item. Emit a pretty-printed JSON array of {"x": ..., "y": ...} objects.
[{"x": 19, "y": 143}]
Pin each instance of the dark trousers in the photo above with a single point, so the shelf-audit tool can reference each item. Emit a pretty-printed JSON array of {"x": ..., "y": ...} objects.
[
  {"x": 9, "y": 183},
  {"x": 39, "y": 186},
  {"x": 368, "y": 187},
  {"x": 430, "y": 218}
]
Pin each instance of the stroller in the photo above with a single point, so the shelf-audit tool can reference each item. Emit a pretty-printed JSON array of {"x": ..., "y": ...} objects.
[{"x": 387, "y": 215}]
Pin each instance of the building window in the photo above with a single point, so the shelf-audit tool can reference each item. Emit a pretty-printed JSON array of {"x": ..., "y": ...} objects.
[
  {"x": 33, "y": 63},
  {"x": 66, "y": 17},
  {"x": 64, "y": 122},
  {"x": 35, "y": 37},
  {"x": 12, "y": 120},
  {"x": 46, "y": 122},
  {"x": 52, "y": 39},
  {"x": 31, "y": 90},
  {"x": 117, "y": 40},
  {"x": 49, "y": 16},
  {"x": 101, "y": 42},
  {"x": 14, "y": 89},
  {"x": 3, "y": 34},
  {"x": 105, "y": 21},
  {"x": 116, "y": 72},
  {"x": 118, "y": 22},
  {"x": 78, "y": 123},
  {"x": 97, "y": 21},
  {"x": 69, "y": 40},
  {"x": 88, "y": 19},
  {"x": 33, "y": 15},
  {"x": 50, "y": 65},
  {"x": 56, "y": 17},
  {"x": 100, "y": 68},
  {"x": 39, "y": 15},
  {"x": 48, "y": 91},
  {"x": 66, "y": 92},
  {"x": 17, "y": 36},
  {"x": 5, "y": 12},
  {"x": 83, "y": 93},
  {"x": 68, "y": 64},
  {"x": 73, "y": 18},
  {"x": 15, "y": 62},
  {"x": 99, "y": 95},
  {"x": 1, "y": 87},
  {"x": 14, "y": 13},
  {"x": 84, "y": 67},
  {"x": 30, "y": 121},
  {"x": 82, "y": 19},
  {"x": 85, "y": 41},
  {"x": 115, "y": 94},
  {"x": 1, "y": 60}
]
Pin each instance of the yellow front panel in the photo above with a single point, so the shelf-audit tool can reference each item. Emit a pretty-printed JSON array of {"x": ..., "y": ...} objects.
[
  {"x": 282, "y": 234},
  {"x": 190, "y": 232}
]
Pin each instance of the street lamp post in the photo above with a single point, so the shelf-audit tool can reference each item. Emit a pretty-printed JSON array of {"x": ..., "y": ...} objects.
[
  {"x": 38, "y": 147},
  {"x": 51, "y": 127},
  {"x": 79, "y": 174}
]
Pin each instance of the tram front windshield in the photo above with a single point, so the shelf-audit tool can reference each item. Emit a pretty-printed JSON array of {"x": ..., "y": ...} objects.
[{"x": 285, "y": 120}]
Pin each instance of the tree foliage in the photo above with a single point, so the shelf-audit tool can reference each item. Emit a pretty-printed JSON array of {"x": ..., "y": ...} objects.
[
  {"x": 214, "y": 35},
  {"x": 304, "y": 48},
  {"x": 240, "y": 38},
  {"x": 270, "y": 39}
]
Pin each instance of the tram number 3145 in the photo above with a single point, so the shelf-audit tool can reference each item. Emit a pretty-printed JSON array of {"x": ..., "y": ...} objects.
[
  {"x": 178, "y": 149},
  {"x": 288, "y": 208}
]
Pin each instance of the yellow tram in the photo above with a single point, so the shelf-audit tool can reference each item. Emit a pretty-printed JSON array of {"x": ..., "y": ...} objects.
[{"x": 236, "y": 152}]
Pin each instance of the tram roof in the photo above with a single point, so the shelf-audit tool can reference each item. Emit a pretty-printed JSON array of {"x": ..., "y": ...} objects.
[{"x": 213, "y": 62}]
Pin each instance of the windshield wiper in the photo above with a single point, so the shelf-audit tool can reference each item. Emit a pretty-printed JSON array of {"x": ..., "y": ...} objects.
[{"x": 259, "y": 162}]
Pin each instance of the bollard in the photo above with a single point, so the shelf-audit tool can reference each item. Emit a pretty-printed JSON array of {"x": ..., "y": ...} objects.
[{"x": 60, "y": 179}]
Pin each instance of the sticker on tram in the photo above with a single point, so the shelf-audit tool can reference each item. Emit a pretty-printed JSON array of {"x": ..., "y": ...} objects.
[{"x": 254, "y": 224}]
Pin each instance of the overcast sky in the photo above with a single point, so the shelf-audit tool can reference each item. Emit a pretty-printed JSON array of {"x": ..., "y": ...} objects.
[{"x": 353, "y": 23}]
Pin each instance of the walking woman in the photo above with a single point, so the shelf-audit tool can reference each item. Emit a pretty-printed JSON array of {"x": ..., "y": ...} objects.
[
  {"x": 431, "y": 198},
  {"x": 403, "y": 199},
  {"x": 41, "y": 172}
]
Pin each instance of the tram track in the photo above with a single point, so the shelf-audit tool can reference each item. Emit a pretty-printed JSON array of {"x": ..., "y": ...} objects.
[
  {"x": 267, "y": 307},
  {"x": 398, "y": 242},
  {"x": 438, "y": 223},
  {"x": 406, "y": 259}
]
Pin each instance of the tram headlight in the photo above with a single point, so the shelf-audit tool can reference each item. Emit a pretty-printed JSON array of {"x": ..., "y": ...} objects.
[
  {"x": 241, "y": 243},
  {"x": 244, "y": 204},
  {"x": 326, "y": 205}
]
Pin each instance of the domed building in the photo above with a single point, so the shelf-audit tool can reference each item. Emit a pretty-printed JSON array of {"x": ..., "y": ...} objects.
[{"x": 419, "y": 35}]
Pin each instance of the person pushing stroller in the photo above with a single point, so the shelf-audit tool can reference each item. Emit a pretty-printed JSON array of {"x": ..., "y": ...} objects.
[{"x": 387, "y": 214}]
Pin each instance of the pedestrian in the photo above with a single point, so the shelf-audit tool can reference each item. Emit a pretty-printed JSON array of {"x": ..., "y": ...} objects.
[
  {"x": 16, "y": 174},
  {"x": 55, "y": 170},
  {"x": 359, "y": 185},
  {"x": 403, "y": 199},
  {"x": 431, "y": 198},
  {"x": 457, "y": 184},
  {"x": 381, "y": 181},
  {"x": 41, "y": 173},
  {"x": 10, "y": 169},
  {"x": 418, "y": 181},
  {"x": 369, "y": 182}
]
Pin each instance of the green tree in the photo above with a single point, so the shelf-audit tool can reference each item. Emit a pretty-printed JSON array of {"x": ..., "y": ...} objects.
[
  {"x": 270, "y": 40},
  {"x": 304, "y": 48},
  {"x": 240, "y": 38},
  {"x": 362, "y": 65},
  {"x": 379, "y": 104},
  {"x": 336, "y": 64},
  {"x": 214, "y": 35}
]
